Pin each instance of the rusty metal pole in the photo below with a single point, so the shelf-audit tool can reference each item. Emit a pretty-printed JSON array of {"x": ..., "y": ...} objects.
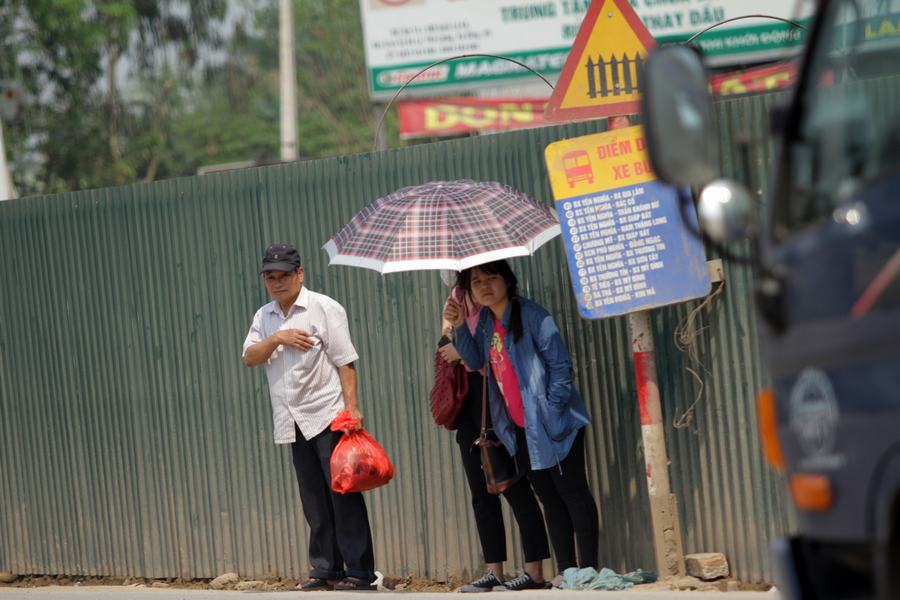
[{"x": 663, "y": 503}]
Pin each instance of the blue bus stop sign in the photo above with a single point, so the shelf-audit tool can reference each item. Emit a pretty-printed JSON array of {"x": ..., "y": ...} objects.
[{"x": 626, "y": 242}]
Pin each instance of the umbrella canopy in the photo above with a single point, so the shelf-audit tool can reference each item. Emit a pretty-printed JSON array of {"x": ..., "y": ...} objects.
[{"x": 443, "y": 225}]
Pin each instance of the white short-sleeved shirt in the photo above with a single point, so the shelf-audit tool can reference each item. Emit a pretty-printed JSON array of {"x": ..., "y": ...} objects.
[{"x": 304, "y": 386}]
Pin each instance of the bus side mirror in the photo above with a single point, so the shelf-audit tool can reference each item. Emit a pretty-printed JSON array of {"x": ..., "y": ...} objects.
[{"x": 679, "y": 121}]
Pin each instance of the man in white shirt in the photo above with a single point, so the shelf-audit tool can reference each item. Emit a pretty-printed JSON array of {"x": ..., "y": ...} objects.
[{"x": 304, "y": 340}]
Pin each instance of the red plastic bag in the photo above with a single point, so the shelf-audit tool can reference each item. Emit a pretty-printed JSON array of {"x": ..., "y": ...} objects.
[{"x": 358, "y": 462}]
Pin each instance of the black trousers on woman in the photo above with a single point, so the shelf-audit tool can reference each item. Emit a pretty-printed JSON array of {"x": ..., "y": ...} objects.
[
  {"x": 488, "y": 516},
  {"x": 568, "y": 505}
]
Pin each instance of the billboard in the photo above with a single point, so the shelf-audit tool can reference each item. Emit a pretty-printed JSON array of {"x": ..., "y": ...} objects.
[{"x": 404, "y": 36}]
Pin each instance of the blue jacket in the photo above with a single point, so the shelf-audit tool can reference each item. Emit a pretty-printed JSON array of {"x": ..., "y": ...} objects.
[{"x": 554, "y": 410}]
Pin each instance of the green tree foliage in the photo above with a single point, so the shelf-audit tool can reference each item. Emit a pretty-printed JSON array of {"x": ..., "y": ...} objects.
[
  {"x": 137, "y": 90},
  {"x": 336, "y": 114}
]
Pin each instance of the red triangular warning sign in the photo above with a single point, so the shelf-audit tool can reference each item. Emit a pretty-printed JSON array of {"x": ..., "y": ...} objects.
[{"x": 601, "y": 77}]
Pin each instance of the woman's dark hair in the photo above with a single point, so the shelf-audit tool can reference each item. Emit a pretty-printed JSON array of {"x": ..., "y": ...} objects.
[{"x": 501, "y": 268}]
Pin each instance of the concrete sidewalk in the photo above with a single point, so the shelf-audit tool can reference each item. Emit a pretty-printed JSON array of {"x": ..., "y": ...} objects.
[{"x": 142, "y": 593}]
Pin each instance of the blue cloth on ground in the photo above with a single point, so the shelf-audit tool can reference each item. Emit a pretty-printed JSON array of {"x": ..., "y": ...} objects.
[{"x": 606, "y": 579}]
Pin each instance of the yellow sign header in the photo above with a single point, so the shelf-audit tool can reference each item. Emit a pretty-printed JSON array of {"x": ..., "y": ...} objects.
[{"x": 603, "y": 161}]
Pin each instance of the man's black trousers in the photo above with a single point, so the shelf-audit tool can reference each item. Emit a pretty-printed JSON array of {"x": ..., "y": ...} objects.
[{"x": 340, "y": 540}]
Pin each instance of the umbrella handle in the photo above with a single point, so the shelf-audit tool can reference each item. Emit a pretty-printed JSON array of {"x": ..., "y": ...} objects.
[{"x": 434, "y": 64}]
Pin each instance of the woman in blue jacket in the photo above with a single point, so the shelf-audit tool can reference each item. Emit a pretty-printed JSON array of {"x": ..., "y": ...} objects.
[{"x": 536, "y": 411}]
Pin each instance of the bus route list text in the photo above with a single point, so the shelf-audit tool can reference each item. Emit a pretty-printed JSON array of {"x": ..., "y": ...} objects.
[{"x": 614, "y": 246}]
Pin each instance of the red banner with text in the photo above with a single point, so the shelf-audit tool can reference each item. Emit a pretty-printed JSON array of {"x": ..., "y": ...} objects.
[
  {"x": 437, "y": 117},
  {"x": 759, "y": 79}
]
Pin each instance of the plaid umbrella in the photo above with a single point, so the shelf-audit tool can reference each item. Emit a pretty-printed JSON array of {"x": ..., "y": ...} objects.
[{"x": 443, "y": 225}]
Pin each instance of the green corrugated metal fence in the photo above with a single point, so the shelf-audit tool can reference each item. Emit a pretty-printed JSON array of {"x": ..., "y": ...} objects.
[{"x": 134, "y": 442}]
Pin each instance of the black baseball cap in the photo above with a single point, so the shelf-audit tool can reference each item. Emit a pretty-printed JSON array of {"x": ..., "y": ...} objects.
[{"x": 280, "y": 257}]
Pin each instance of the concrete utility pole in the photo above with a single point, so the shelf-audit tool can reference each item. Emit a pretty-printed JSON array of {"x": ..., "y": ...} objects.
[
  {"x": 7, "y": 191},
  {"x": 663, "y": 503},
  {"x": 288, "y": 77},
  {"x": 664, "y": 516}
]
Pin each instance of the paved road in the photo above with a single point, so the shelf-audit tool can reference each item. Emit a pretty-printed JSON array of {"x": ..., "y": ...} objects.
[{"x": 129, "y": 593}]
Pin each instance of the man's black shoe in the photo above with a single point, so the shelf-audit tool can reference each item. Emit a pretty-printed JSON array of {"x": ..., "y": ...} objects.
[
  {"x": 354, "y": 584},
  {"x": 315, "y": 584}
]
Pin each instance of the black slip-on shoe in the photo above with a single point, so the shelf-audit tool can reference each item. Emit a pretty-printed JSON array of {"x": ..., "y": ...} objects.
[
  {"x": 354, "y": 584},
  {"x": 315, "y": 584}
]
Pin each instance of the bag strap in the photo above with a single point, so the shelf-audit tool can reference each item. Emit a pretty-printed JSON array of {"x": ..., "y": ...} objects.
[{"x": 484, "y": 401}]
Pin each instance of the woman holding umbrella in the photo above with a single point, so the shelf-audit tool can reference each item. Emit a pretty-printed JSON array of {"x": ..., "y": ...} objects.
[
  {"x": 536, "y": 411},
  {"x": 453, "y": 225},
  {"x": 486, "y": 506}
]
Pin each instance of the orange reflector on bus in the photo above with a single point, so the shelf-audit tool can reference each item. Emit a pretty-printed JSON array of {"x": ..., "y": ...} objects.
[
  {"x": 768, "y": 430},
  {"x": 810, "y": 491}
]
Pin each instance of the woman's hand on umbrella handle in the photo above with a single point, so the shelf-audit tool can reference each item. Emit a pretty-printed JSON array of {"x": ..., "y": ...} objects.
[{"x": 453, "y": 313}]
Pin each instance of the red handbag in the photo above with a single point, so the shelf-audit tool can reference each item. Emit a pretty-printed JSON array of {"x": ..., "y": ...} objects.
[{"x": 448, "y": 394}]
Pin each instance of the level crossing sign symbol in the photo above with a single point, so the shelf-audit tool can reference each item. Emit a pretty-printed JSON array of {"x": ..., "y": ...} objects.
[
  {"x": 615, "y": 76},
  {"x": 602, "y": 74}
]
